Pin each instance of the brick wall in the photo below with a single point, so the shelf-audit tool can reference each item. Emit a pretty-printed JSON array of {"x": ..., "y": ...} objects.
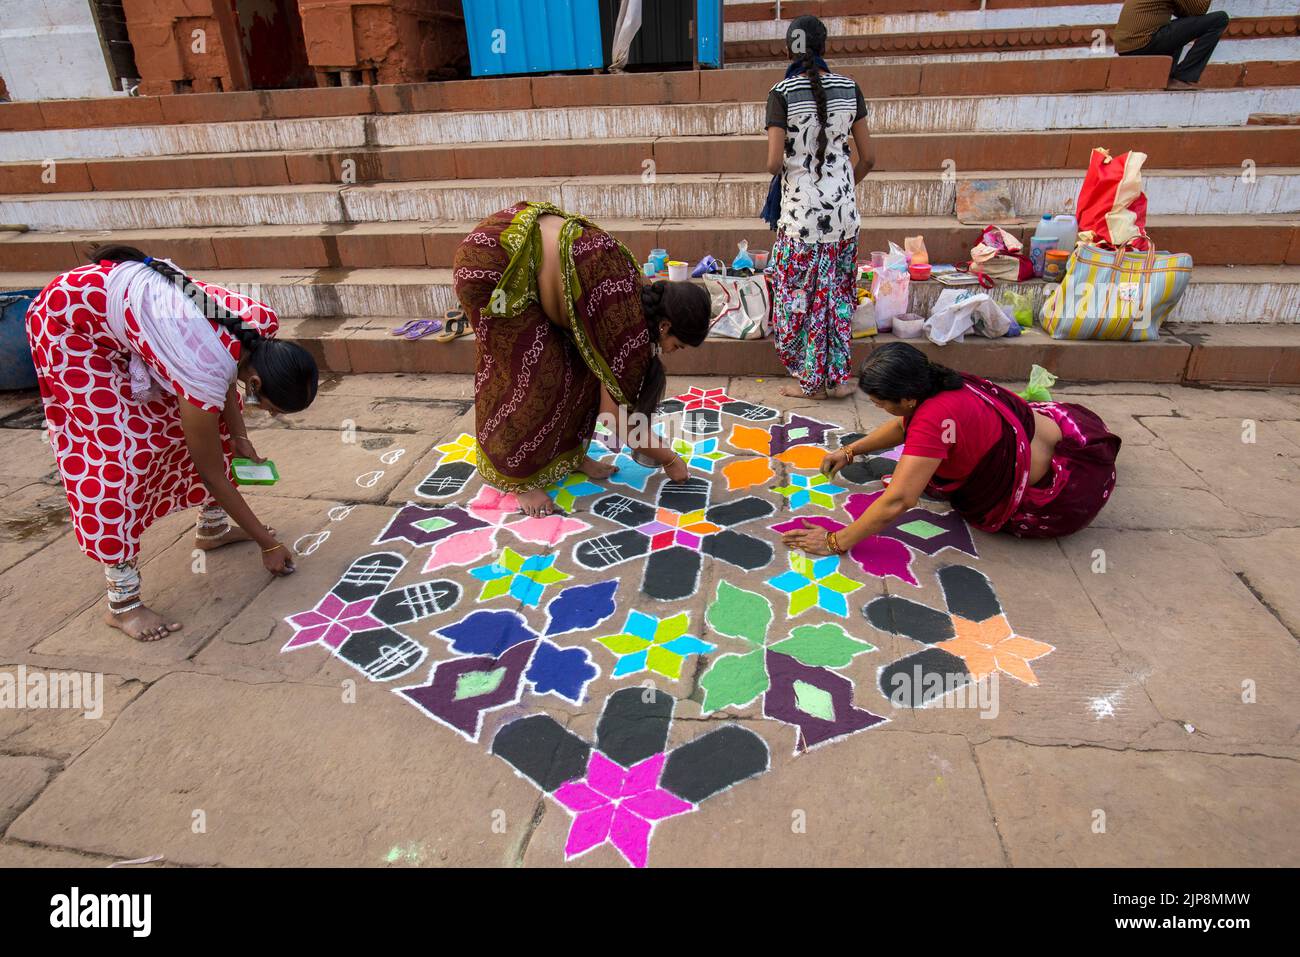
[
  {"x": 384, "y": 41},
  {"x": 173, "y": 59}
]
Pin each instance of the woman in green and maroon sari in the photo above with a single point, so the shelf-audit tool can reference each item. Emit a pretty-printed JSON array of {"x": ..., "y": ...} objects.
[{"x": 567, "y": 329}]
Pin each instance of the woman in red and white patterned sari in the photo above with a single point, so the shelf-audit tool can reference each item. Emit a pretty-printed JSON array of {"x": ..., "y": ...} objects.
[{"x": 137, "y": 366}]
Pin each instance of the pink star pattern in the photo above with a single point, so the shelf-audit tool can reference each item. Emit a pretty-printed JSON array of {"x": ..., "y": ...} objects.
[
  {"x": 331, "y": 621},
  {"x": 619, "y": 806}
]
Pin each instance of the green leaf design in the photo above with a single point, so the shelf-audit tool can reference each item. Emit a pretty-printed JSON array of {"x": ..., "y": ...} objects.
[
  {"x": 671, "y": 628},
  {"x": 839, "y": 583},
  {"x": 825, "y": 646},
  {"x": 734, "y": 680},
  {"x": 548, "y": 576},
  {"x": 805, "y": 598},
  {"x": 495, "y": 588},
  {"x": 814, "y": 701},
  {"x": 472, "y": 684},
  {"x": 623, "y": 644},
  {"x": 663, "y": 662},
  {"x": 738, "y": 613}
]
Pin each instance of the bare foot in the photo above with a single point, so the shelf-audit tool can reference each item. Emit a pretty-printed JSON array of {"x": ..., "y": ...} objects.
[
  {"x": 536, "y": 503},
  {"x": 596, "y": 470},
  {"x": 794, "y": 392},
  {"x": 843, "y": 390},
  {"x": 232, "y": 534},
  {"x": 142, "y": 624},
  {"x": 1180, "y": 85}
]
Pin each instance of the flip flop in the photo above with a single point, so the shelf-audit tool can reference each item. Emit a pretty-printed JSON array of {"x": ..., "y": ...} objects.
[
  {"x": 422, "y": 328},
  {"x": 405, "y": 327},
  {"x": 455, "y": 325}
]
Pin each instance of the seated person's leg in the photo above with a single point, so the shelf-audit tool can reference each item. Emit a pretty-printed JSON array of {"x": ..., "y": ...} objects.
[
  {"x": 1170, "y": 40},
  {"x": 1208, "y": 30}
]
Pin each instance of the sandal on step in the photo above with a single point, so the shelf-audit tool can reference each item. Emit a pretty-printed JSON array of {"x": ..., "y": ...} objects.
[
  {"x": 455, "y": 325},
  {"x": 422, "y": 328}
]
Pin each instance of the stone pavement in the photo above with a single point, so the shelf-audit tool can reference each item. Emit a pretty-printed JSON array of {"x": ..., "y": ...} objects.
[{"x": 1162, "y": 729}]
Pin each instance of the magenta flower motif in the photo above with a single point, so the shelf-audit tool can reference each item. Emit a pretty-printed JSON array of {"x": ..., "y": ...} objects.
[
  {"x": 331, "y": 621},
  {"x": 619, "y": 806}
]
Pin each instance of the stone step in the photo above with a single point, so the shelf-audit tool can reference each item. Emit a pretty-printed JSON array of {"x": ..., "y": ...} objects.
[
  {"x": 769, "y": 45},
  {"x": 1242, "y": 355},
  {"x": 1215, "y": 295},
  {"x": 893, "y": 78},
  {"x": 1268, "y": 61},
  {"x": 757, "y": 21},
  {"x": 1210, "y": 240},
  {"x": 1223, "y": 191},
  {"x": 919, "y": 115},
  {"x": 1053, "y": 149}
]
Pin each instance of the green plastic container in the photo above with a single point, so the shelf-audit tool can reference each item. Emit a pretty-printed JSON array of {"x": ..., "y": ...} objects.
[{"x": 248, "y": 472}]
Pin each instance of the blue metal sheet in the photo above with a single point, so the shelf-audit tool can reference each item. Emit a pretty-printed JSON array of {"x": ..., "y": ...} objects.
[
  {"x": 708, "y": 32},
  {"x": 532, "y": 36}
]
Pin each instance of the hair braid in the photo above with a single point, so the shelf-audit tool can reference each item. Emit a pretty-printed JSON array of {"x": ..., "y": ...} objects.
[
  {"x": 819, "y": 97},
  {"x": 249, "y": 338},
  {"x": 288, "y": 372}
]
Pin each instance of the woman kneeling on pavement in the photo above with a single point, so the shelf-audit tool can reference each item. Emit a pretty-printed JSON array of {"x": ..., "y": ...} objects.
[
  {"x": 137, "y": 364},
  {"x": 1033, "y": 469},
  {"x": 566, "y": 330}
]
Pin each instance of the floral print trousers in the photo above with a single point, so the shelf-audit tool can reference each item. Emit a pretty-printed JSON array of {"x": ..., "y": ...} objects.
[{"x": 810, "y": 281}]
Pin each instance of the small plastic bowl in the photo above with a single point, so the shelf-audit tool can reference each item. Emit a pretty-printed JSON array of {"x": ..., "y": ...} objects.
[{"x": 919, "y": 271}]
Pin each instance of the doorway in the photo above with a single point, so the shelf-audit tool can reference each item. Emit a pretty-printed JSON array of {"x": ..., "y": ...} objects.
[{"x": 270, "y": 33}]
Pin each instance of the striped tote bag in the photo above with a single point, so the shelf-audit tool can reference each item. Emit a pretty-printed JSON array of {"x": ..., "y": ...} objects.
[{"x": 1115, "y": 294}]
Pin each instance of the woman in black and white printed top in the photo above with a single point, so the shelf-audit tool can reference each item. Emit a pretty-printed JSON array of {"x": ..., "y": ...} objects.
[{"x": 812, "y": 115}]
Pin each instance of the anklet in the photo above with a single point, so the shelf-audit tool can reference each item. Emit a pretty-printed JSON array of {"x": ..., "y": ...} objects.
[{"x": 122, "y": 611}]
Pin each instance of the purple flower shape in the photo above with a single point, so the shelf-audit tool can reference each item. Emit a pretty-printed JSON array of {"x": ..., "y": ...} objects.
[
  {"x": 619, "y": 806},
  {"x": 331, "y": 621},
  {"x": 877, "y": 555}
]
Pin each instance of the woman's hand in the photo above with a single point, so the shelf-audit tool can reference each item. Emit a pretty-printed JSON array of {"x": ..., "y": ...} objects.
[
  {"x": 278, "y": 560},
  {"x": 675, "y": 469},
  {"x": 811, "y": 539},
  {"x": 243, "y": 448},
  {"x": 835, "y": 461}
]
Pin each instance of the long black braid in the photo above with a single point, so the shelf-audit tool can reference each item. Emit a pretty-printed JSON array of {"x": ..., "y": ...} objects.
[
  {"x": 249, "y": 338},
  {"x": 288, "y": 371},
  {"x": 819, "y": 97},
  {"x": 813, "y": 35}
]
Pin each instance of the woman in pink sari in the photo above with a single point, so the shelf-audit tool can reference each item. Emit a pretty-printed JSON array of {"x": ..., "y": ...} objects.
[{"x": 1033, "y": 469}]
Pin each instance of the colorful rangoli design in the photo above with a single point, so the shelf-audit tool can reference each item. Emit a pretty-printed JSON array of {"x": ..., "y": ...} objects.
[
  {"x": 969, "y": 641},
  {"x": 656, "y": 645},
  {"x": 674, "y": 533},
  {"x": 619, "y": 790},
  {"x": 456, "y": 466},
  {"x": 794, "y": 676},
  {"x": 534, "y": 636},
  {"x": 357, "y": 619}
]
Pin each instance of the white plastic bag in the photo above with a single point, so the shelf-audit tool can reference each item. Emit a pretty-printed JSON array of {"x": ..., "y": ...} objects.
[
  {"x": 891, "y": 288},
  {"x": 742, "y": 307},
  {"x": 864, "y": 317},
  {"x": 959, "y": 311}
]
